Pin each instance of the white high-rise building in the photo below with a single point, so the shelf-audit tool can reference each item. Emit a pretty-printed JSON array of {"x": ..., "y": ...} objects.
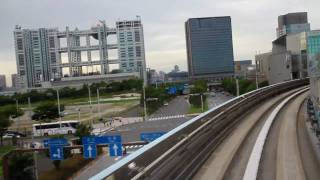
[
  {"x": 36, "y": 55},
  {"x": 131, "y": 51},
  {"x": 50, "y": 55}
]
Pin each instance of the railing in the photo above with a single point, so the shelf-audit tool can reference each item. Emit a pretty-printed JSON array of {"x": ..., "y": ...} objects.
[{"x": 179, "y": 153}]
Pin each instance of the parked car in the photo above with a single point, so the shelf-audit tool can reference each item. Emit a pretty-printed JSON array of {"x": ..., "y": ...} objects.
[
  {"x": 9, "y": 135},
  {"x": 17, "y": 133}
]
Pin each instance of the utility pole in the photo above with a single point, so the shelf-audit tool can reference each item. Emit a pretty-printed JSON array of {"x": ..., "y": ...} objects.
[
  {"x": 144, "y": 103},
  {"x": 257, "y": 85},
  {"x": 237, "y": 84},
  {"x": 202, "y": 108},
  {"x": 34, "y": 152},
  {"x": 89, "y": 92},
  {"x": 58, "y": 99},
  {"x": 79, "y": 114},
  {"x": 98, "y": 97},
  {"x": 18, "y": 119}
]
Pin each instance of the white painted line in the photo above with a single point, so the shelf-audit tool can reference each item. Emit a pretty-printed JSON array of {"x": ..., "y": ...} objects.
[{"x": 251, "y": 172}]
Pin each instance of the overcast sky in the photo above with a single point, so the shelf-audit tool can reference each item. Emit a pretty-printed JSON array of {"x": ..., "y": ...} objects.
[{"x": 253, "y": 23}]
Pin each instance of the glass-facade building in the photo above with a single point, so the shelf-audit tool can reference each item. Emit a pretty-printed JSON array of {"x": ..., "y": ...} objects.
[
  {"x": 292, "y": 23},
  {"x": 209, "y": 47},
  {"x": 313, "y": 51}
]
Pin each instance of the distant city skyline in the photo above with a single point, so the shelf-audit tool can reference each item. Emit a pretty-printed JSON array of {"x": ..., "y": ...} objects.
[{"x": 253, "y": 23}]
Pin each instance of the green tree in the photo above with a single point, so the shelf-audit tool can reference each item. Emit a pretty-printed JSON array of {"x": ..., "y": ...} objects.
[
  {"x": 47, "y": 111},
  {"x": 199, "y": 86},
  {"x": 82, "y": 130},
  {"x": 21, "y": 166}
]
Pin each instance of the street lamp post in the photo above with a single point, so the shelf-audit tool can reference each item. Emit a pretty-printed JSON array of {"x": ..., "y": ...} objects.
[
  {"x": 98, "y": 99},
  {"x": 144, "y": 103},
  {"x": 257, "y": 85},
  {"x": 237, "y": 85},
  {"x": 58, "y": 99},
  {"x": 18, "y": 119},
  {"x": 202, "y": 109},
  {"x": 89, "y": 92}
]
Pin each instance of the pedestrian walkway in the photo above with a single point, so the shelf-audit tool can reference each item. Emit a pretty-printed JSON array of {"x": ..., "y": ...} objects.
[
  {"x": 167, "y": 117},
  {"x": 100, "y": 128}
]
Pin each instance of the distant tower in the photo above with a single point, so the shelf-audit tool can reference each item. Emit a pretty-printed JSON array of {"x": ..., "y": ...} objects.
[
  {"x": 209, "y": 48},
  {"x": 176, "y": 68}
]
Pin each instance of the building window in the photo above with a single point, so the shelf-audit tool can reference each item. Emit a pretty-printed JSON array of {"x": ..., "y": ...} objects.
[
  {"x": 123, "y": 65},
  {"x": 51, "y": 42},
  {"x": 53, "y": 57},
  {"x": 19, "y": 44},
  {"x": 138, "y": 51},
  {"x": 21, "y": 59},
  {"x": 137, "y": 36},
  {"x": 22, "y": 72}
]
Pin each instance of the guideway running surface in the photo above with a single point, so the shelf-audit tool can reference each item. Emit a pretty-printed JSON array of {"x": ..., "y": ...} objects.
[
  {"x": 218, "y": 163},
  {"x": 251, "y": 171},
  {"x": 288, "y": 161}
]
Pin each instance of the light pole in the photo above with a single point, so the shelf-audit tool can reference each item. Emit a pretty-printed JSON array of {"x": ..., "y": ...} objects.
[
  {"x": 201, "y": 103},
  {"x": 58, "y": 99},
  {"x": 18, "y": 119},
  {"x": 79, "y": 114},
  {"x": 89, "y": 92},
  {"x": 257, "y": 85},
  {"x": 144, "y": 102},
  {"x": 98, "y": 97},
  {"x": 237, "y": 85}
]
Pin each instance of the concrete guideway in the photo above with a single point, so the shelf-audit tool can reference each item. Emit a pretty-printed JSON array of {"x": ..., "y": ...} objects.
[
  {"x": 252, "y": 168},
  {"x": 288, "y": 152},
  {"x": 219, "y": 165}
]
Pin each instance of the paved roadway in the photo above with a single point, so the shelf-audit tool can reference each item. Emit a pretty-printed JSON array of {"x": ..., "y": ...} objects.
[
  {"x": 218, "y": 98},
  {"x": 177, "y": 106}
]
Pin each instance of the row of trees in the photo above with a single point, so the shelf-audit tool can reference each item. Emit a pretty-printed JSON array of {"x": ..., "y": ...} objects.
[
  {"x": 229, "y": 84},
  {"x": 67, "y": 92}
]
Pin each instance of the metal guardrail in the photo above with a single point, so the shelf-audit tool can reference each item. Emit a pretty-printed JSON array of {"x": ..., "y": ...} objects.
[{"x": 181, "y": 151}]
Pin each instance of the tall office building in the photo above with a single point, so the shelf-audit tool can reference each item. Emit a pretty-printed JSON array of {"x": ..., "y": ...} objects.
[
  {"x": 131, "y": 46},
  {"x": 61, "y": 57},
  {"x": 36, "y": 55},
  {"x": 3, "y": 84},
  {"x": 209, "y": 47},
  {"x": 14, "y": 81},
  {"x": 292, "y": 23}
]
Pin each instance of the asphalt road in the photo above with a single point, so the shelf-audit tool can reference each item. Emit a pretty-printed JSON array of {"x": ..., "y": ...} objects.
[
  {"x": 217, "y": 99},
  {"x": 177, "y": 106}
]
